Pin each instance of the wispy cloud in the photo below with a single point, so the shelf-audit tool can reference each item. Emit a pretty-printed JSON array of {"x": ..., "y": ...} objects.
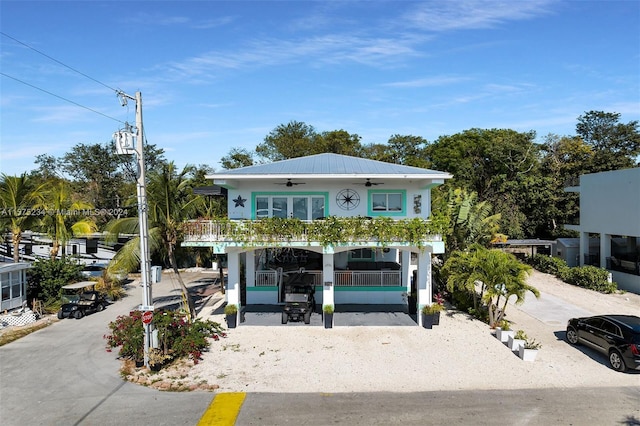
[
  {"x": 158, "y": 19},
  {"x": 442, "y": 80},
  {"x": 472, "y": 14}
]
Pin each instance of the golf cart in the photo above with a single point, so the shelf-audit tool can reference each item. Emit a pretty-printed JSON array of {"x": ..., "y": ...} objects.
[
  {"x": 80, "y": 299},
  {"x": 299, "y": 298}
]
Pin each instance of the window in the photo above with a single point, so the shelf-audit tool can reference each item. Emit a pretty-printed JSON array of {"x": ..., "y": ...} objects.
[
  {"x": 299, "y": 206},
  {"x": 361, "y": 254},
  {"x": 387, "y": 202}
]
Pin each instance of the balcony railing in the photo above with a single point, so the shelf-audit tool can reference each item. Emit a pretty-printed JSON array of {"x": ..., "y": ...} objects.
[
  {"x": 328, "y": 231},
  {"x": 340, "y": 278}
]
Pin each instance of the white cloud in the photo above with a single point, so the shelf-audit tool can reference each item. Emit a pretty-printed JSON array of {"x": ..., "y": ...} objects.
[{"x": 472, "y": 14}]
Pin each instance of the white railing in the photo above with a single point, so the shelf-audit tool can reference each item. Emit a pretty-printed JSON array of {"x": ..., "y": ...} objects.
[{"x": 341, "y": 278}]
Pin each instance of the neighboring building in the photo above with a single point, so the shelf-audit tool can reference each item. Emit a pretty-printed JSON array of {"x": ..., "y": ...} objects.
[
  {"x": 314, "y": 188},
  {"x": 610, "y": 224},
  {"x": 13, "y": 283}
]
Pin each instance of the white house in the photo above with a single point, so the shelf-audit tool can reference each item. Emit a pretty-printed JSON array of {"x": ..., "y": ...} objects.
[
  {"x": 13, "y": 283},
  {"x": 610, "y": 224},
  {"x": 315, "y": 190}
]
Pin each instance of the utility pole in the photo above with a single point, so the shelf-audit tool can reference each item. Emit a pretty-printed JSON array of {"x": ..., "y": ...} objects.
[{"x": 124, "y": 146}]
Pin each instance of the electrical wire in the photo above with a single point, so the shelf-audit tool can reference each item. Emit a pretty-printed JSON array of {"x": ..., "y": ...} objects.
[
  {"x": 60, "y": 97},
  {"x": 57, "y": 61}
]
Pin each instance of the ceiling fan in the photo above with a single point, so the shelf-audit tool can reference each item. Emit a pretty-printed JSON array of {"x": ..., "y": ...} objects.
[
  {"x": 289, "y": 183},
  {"x": 368, "y": 183}
]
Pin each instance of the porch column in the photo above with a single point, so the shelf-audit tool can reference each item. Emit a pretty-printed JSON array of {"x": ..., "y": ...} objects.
[
  {"x": 251, "y": 269},
  {"x": 233, "y": 280},
  {"x": 327, "y": 279},
  {"x": 406, "y": 263},
  {"x": 424, "y": 282}
]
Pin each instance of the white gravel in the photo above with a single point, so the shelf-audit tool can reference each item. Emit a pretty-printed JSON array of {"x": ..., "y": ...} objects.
[{"x": 460, "y": 353}]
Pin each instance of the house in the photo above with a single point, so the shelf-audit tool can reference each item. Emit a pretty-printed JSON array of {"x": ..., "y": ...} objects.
[
  {"x": 337, "y": 200},
  {"x": 609, "y": 224},
  {"x": 13, "y": 283}
]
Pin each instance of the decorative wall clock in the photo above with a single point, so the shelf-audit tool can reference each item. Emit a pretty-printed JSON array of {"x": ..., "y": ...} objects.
[{"x": 348, "y": 199}]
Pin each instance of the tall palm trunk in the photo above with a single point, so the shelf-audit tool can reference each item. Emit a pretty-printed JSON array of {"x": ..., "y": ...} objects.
[
  {"x": 16, "y": 235},
  {"x": 183, "y": 287}
]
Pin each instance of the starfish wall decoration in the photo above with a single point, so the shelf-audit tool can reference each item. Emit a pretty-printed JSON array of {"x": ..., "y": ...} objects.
[{"x": 239, "y": 201}]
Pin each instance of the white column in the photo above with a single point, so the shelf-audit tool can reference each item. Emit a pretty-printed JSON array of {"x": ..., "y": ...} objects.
[
  {"x": 233, "y": 279},
  {"x": 424, "y": 281},
  {"x": 327, "y": 279},
  {"x": 251, "y": 269},
  {"x": 406, "y": 274},
  {"x": 605, "y": 249},
  {"x": 584, "y": 246}
]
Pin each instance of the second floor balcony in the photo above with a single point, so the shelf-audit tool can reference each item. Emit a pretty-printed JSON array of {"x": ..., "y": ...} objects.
[{"x": 330, "y": 231}]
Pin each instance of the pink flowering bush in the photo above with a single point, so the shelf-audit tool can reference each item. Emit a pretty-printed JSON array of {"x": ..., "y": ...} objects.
[{"x": 177, "y": 337}]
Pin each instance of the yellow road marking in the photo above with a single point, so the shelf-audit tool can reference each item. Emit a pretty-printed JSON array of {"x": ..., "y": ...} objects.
[{"x": 223, "y": 410}]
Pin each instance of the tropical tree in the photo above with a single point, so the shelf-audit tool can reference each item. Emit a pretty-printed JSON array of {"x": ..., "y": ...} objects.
[
  {"x": 65, "y": 215},
  {"x": 18, "y": 196},
  {"x": 471, "y": 221},
  {"x": 170, "y": 203},
  {"x": 491, "y": 276}
]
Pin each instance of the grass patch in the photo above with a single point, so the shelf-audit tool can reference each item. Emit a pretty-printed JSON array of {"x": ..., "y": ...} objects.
[{"x": 16, "y": 333}]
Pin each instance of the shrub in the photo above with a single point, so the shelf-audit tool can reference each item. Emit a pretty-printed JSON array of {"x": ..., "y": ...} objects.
[
  {"x": 548, "y": 264},
  {"x": 46, "y": 278},
  {"x": 432, "y": 309},
  {"x": 590, "y": 277},
  {"x": 177, "y": 337}
]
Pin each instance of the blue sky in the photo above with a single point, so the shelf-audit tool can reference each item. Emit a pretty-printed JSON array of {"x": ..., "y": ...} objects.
[{"x": 215, "y": 75}]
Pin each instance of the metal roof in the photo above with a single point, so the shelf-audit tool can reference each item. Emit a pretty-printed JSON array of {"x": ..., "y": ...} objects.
[{"x": 330, "y": 166}]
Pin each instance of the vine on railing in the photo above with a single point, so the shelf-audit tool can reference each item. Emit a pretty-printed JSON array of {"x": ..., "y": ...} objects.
[{"x": 332, "y": 230}]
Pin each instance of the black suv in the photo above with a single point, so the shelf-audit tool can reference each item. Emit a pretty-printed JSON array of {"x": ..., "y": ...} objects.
[{"x": 617, "y": 336}]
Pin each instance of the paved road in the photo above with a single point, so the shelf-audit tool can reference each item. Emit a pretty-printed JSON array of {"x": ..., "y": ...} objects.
[{"x": 62, "y": 375}]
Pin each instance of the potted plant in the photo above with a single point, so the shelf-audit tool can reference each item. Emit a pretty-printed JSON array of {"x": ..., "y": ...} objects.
[
  {"x": 503, "y": 331},
  {"x": 327, "y": 311},
  {"x": 529, "y": 350},
  {"x": 516, "y": 340},
  {"x": 231, "y": 312},
  {"x": 429, "y": 314}
]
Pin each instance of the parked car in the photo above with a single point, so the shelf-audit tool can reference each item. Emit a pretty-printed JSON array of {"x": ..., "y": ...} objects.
[
  {"x": 80, "y": 299},
  {"x": 617, "y": 336},
  {"x": 94, "y": 270}
]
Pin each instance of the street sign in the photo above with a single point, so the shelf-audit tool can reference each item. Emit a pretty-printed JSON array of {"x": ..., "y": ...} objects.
[{"x": 147, "y": 317}]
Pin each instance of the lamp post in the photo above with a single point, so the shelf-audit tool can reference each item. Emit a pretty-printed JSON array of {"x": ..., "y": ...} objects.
[{"x": 124, "y": 146}]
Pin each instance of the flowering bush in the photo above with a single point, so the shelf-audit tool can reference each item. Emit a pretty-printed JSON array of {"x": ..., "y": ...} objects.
[{"x": 177, "y": 337}]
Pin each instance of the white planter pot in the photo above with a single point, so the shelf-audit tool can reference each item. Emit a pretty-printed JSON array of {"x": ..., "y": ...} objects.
[
  {"x": 527, "y": 354},
  {"x": 514, "y": 343},
  {"x": 503, "y": 335}
]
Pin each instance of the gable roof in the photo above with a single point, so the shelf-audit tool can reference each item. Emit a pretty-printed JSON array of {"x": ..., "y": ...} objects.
[{"x": 330, "y": 166}]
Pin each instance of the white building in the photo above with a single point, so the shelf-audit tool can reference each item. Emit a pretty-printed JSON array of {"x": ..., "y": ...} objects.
[
  {"x": 610, "y": 224},
  {"x": 312, "y": 189}
]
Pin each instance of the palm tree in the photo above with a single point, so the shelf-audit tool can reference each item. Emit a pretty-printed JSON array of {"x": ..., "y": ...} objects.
[
  {"x": 18, "y": 196},
  {"x": 170, "y": 202},
  {"x": 63, "y": 210},
  {"x": 499, "y": 276}
]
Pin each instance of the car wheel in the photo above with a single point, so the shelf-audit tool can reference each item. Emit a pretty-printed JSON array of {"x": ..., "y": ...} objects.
[
  {"x": 78, "y": 314},
  {"x": 616, "y": 361},
  {"x": 60, "y": 314},
  {"x": 100, "y": 307},
  {"x": 285, "y": 318},
  {"x": 572, "y": 335},
  {"x": 307, "y": 317}
]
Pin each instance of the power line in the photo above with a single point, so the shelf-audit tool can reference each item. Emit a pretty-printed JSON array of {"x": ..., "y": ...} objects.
[
  {"x": 60, "y": 97},
  {"x": 57, "y": 61}
]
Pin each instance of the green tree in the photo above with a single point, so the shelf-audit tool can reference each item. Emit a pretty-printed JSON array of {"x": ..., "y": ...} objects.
[
  {"x": 291, "y": 140},
  {"x": 616, "y": 145},
  {"x": 18, "y": 195},
  {"x": 236, "y": 158},
  {"x": 471, "y": 221},
  {"x": 47, "y": 276},
  {"x": 65, "y": 215},
  {"x": 171, "y": 203}
]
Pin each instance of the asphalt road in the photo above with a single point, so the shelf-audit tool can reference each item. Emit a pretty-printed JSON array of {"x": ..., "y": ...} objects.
[{"x": 62, "y": 375}]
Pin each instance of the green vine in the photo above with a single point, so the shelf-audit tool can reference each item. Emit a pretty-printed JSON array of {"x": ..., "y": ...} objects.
[{"x": 331, "y": 231}]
